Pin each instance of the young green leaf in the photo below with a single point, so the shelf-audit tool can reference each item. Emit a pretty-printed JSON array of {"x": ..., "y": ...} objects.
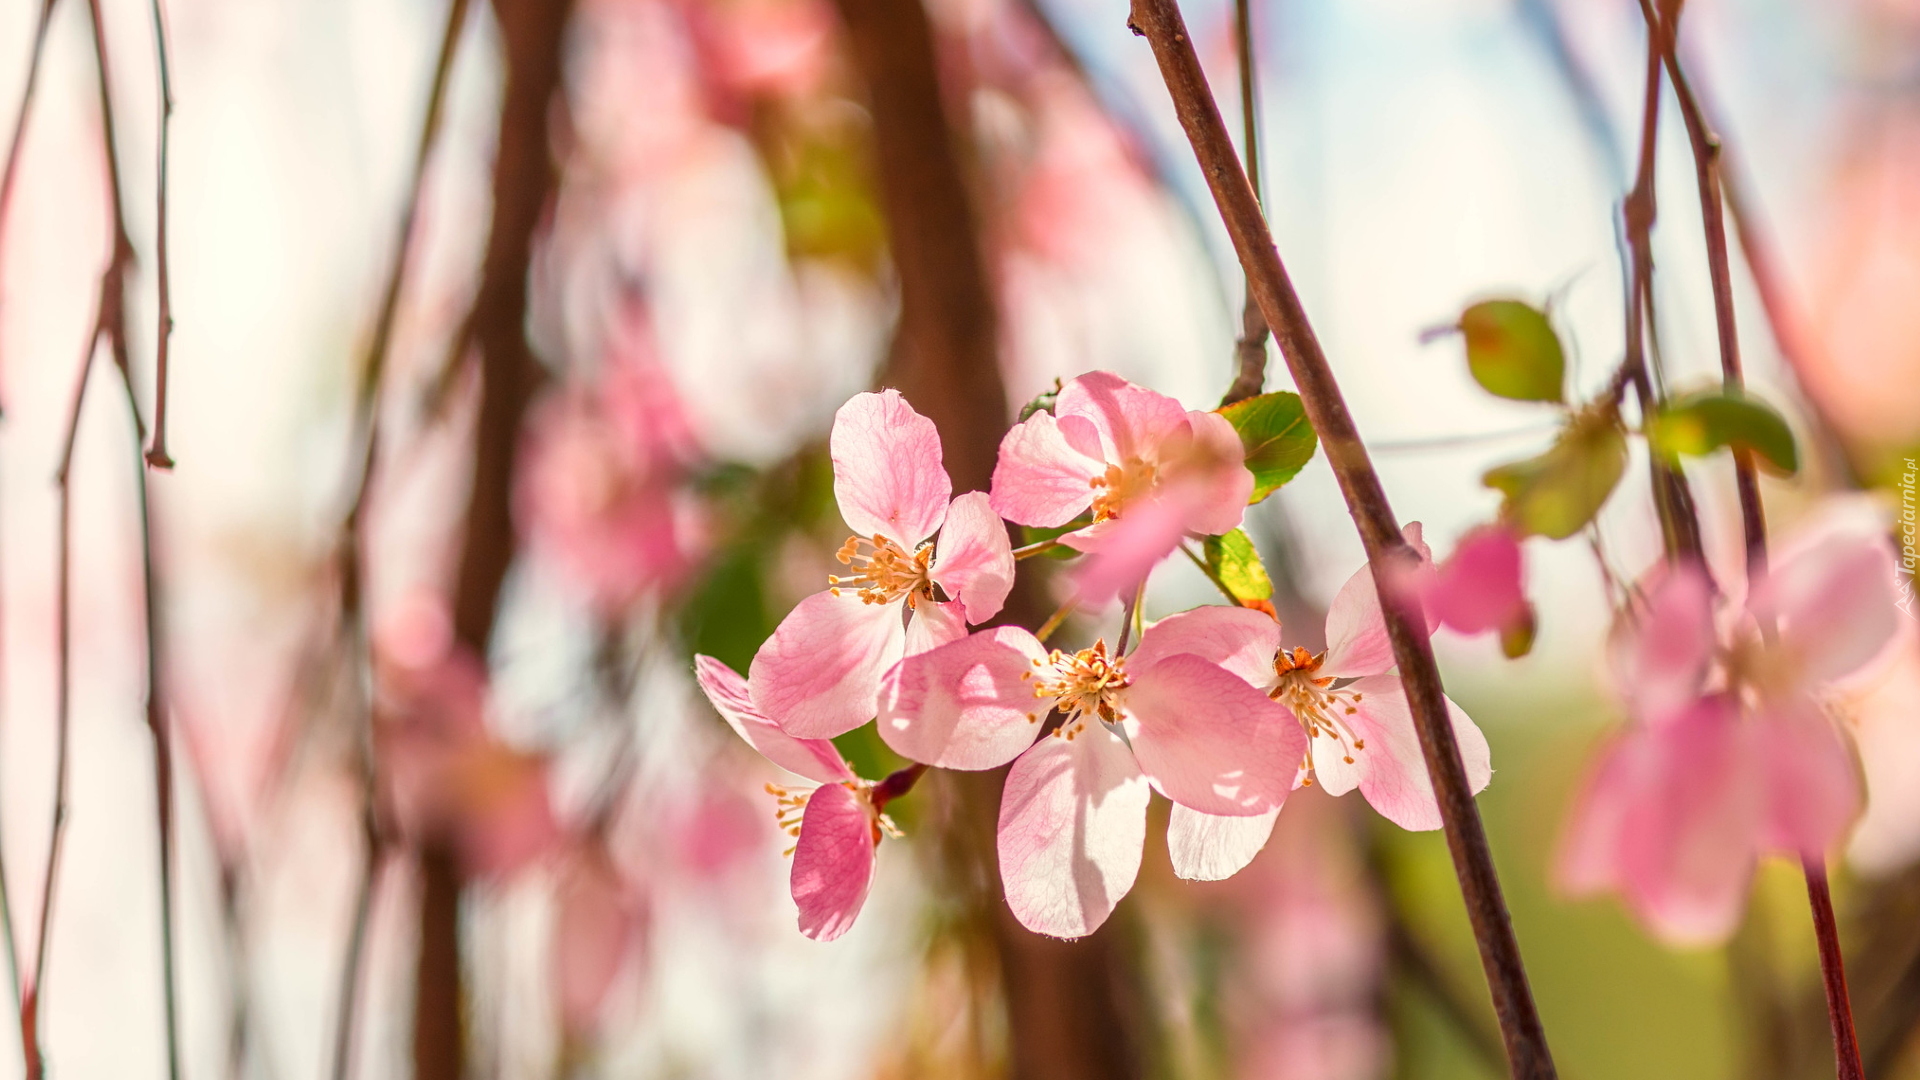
[
  {"x": 1042, "y": 402},
  {"x": 1279, "y": 442},
  {"x": 1513, "y": 351},
  {"x": 1557, "y": 493},
  {"x": 1700, "y": 423},
  {"x": 1233, "y": 560}
]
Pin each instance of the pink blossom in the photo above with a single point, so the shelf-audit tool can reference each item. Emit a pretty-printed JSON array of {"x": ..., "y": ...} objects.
[
  {"x": 1073, "y": 813},
  {"x": 818, "y": 675},
  {"x": 599, "y": 924},
  {"x": 836, "y": 826},
  {"x": 1149, "y": 471},
  {"x": 448, "y": 777},
  {"x": 1730, "y": 752},
  {"x": 1480, "y": 587},
  {"x": 1355, "y": 715},
  {"x": 601, "y": 495}
]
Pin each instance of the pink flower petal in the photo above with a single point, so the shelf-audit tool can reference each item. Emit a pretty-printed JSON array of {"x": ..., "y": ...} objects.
[
  {"x": 1208, "y": 847},
  {"x": 815, "y": 759},
  {"x": 1481, "y": 585},
  {"x": 1125, "y": 549},
  {"x": 932, "y": 625},
  {"x": 888, "y": 474},
  {"x": 1208, "y": 740},
  {"x": 1661, "y": 652},
  {"x": 1238, "y": 639},
  {"x": 1668, "y": 820},
  {"x": 818, "y": 674},
  {"x": 1391, "y": 770},
  {"x": 597, "y": 925},
  {"x": 966, "y": 705},
  {"x": 973, "y": 560},
  {"x": 1357, "y": 642},
  {"x": 1045, "y": 471},
  {"x": 1836, "y": 605},
  {"x": 1073, "y": 820},
  {"x": 1812, "y": 782},
  {"x": 833, "y": 861},
  {"x": 1132, "y": 421},
  {"x": 1214, "y": 482}
]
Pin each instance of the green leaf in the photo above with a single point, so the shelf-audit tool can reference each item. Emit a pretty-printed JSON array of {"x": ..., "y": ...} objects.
[
  {"x": 1698, "y": 424},
  {"x": 1513, "y": 351},
  {"x": 1042, "y": 402},
  {"x": 1557, "y": 493},
  {"x": 1233, "y": 560},
  {"x": 1030, "y": 535},
  {"x": 1279, "y": 442}
]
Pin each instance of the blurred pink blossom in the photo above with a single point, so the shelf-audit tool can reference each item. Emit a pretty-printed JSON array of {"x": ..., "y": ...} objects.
[
  {"x": 836, "y": 826},
  {"x": 1150, "y": 472},
  {"x": 818, "y": 675},
  {"x": 599, "y": 926},
  {"x": 1730, "y": 752},
  {"x": 447, "y": 777},
  {"x": 601, "y": 493},
  {"x": 1480, "y": 587},
  {"x": 1073, "y": 813}
]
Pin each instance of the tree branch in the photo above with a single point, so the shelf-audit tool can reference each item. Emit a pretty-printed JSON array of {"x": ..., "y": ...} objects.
[
  {"x": 1250, "y": 351},
  {"x": 163, "y": 335},
  {"x": 533, "y": 33},
  {"x": 1160, "y": 22},
  {"x": 1663, "y": 27}
]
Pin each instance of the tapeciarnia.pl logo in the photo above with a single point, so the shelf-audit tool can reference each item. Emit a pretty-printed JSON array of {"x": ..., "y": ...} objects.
[{"x": 1909, "y": 548}]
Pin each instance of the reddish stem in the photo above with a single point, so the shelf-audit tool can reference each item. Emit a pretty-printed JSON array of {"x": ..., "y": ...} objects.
[{"x": 1833, "y": 973}]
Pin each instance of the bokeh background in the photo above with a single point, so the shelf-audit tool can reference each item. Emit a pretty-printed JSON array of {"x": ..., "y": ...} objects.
[{"x": 714, "y": 266}]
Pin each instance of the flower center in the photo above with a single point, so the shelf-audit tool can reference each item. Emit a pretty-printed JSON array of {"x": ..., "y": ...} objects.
[
  {"x": 1082, "y": 684},
  {"x": 1319, "y": 709},
  {"x": 883, "y": 571},
  {"x": 790, "y": 809},
  {"x": 1119, "y": 486}
]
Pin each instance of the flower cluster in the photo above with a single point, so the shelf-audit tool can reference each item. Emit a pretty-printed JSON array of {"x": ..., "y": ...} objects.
[
  {"x": 1731, "y": 751},
  {"x": 1210, "y": 708}
]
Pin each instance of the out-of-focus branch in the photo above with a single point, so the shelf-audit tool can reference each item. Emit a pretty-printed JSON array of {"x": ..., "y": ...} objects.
[
  {"x": 109, "y": 326},
  {"x": 1673, "y": 501},
  {"x": 1663, "y": 26},
  {"x": 532, "y": 32},
  {"x": 1250, "y": 351},
  {"x": 351, "y": 552},
  {"x": 11, "y": 173},
  {"x": 1160, "y": 22},
  {"x": 163, "y": 334},
  {"x": 945, "y": 348}
]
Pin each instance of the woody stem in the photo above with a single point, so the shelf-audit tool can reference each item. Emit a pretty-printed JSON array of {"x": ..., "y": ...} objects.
[
  {"x": 1160, "y": 22},
  {"x": 1833, "y": 974}
]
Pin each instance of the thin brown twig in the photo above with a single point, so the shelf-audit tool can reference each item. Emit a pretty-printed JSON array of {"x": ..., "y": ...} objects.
[
  {"x": 352, "y": 541},
  {"x": 11, "y": 173},
  {"x": 1673, "y": 503},
  {"x": 30, "y": 996},
  {"x": 1663, "y": 27},
  {"x": 1250, "y": 350},
  {"x": 157, "y": 455},
  {"x": 1161, "y": 23},
  {"x": 112, "y": 329},
  {"x": 1833, "y": 973}
]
